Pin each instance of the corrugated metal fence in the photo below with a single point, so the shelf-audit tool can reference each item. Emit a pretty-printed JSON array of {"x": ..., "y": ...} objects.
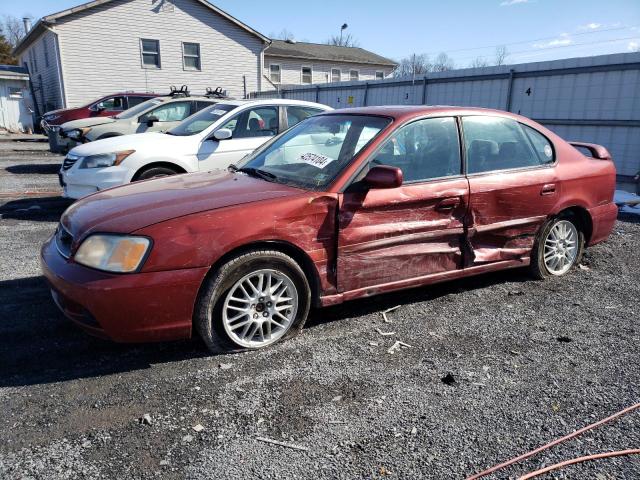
[{"x": 591, "y": 99}]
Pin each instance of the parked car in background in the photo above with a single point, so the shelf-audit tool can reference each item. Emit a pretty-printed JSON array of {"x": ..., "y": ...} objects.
[
  {"x": 213, "y": 138},
  {"x": 155, "y": 115},
  {"x": 102, "y": 107},
  {"x": 344, "y": 205}
]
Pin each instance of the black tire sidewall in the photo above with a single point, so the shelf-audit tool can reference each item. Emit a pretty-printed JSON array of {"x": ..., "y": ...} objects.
[{"x": 155, "y": 172}]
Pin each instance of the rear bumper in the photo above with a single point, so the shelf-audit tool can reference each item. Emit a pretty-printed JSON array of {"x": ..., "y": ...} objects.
[
  {"x": 603, "y": 218},
  {"x": 141, "y": 307}
]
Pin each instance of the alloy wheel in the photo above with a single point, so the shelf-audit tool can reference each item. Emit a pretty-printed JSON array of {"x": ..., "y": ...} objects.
[{"x": 561, "y": 247}]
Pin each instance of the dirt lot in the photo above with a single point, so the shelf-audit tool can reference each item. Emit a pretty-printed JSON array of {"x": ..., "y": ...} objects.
[{"x": 530, "y": 362}]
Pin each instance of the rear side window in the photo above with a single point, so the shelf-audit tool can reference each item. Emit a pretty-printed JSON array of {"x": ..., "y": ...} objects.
[
  {"x": 494, "y": 143},
  {"x": 133, "y": 101},
  {"x": 423, "y": 150},
  {"x": 541, "y": 144}
]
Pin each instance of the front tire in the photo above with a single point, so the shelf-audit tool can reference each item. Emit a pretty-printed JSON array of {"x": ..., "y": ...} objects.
[
  {"x": 253, "y": 301},
  {"x": 558, "y": 248}
]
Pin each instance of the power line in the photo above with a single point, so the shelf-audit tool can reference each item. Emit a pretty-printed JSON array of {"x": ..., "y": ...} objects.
[{"x": 529, "y": 41}]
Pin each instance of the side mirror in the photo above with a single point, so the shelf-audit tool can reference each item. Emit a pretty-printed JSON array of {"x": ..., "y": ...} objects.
[
  {"x": 97, "y": 108},
  {"x": 383, "y": 176},
  {"x": 151, "y": 119},
  {"x": 222, "y": 134}
]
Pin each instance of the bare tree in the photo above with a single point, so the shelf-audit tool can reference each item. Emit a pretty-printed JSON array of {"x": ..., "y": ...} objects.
[
  {"x": 346, "y": 40},
  {"x": 414, "y": 64},
  {"x": 13, "y": 28},
  {"x": 479, "y": 62},
  {"x": 284, "y": 34},
  {"x": 501, "y": 55},
  {"x": 442, "y": 63}
]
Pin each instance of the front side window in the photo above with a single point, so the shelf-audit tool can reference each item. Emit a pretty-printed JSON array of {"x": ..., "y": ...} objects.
[
  {"x": 495, "y": 143},
  {"x": 202, "y": 120},
  {"x": 169, "y": 112},
  {"x": 295, "y": 114},
  {"x": 315, "y": 151},
  {"x": 150, "y": 50},
  {"x": 191, "y": 56},
  {"x": 274, "y": 73},
  {"x": 336, "y": 74},
  {"x": 354, "y": 75},
  {"x": 254, "y": 122},
  {"x": 307, "y": 75},
  {"x": 111, "y": 104},
  {"x": 423, "y": 150}
]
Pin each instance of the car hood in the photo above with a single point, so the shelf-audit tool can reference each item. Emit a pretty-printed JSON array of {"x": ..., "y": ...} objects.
[
  {"x": 136, "y": 141},
  {"x": 87, "y": 122},
  {"x": 137, "y": 205}
]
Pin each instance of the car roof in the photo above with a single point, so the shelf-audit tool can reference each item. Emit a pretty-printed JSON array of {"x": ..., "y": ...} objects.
[
  {"x": 404, "y": 112},
  {"x": 273, "y": 101}
]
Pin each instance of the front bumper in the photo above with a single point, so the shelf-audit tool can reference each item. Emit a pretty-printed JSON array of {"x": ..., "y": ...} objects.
[
  {"x": 58, "y": 144},
  {"x": 80, "y": 182},
  {"x": 140, "y": 307}
]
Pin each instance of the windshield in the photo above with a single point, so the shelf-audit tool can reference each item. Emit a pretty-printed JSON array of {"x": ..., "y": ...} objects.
[
  {"x": 132, "y": 112},
  {"x": 201, "y": 120},
  {"x": 314, "y": 152}
]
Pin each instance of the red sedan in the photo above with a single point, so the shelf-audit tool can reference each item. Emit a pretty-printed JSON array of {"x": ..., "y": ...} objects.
[{"x": 344, "y": 205}]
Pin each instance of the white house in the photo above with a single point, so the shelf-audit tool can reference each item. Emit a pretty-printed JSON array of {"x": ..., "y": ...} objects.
[
  {"x": 107, "y": 46},
  {"x": 288, "y": 62},
  {"x": 15, "y": 100}
]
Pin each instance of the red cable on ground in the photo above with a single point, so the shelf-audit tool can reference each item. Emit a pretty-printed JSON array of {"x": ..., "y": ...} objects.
[
  {"x": 566, "y": 463},
  {"x": 554, "y": 443}
]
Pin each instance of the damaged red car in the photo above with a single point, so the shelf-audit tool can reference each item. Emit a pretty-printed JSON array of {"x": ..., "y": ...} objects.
[{"x": 344, "y": 205}]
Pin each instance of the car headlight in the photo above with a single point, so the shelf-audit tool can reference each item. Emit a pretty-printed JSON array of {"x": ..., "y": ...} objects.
[
  {"x": 104, "y": 160},
  {"x": 113, "y": 253},
  {"x": 78, "y": 133}
]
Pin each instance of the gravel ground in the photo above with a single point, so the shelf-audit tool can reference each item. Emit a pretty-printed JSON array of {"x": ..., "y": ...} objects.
[{"x": 530, "y": 361}]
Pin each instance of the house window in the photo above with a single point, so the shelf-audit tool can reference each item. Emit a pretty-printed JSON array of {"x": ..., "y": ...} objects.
[
  {"x": 274, "y": 73},
  {"x": 15, "y": 92},
  {"x": 150, "y": 53},
  {"x": 191, "y": 56},
  {"x": 354, "y": 75},
  {"x": 379, "y": 75},
  {"x": 46, "y": 53},
  {"x": 307, "y": 75},
  {"x": 336, "y": 74}
]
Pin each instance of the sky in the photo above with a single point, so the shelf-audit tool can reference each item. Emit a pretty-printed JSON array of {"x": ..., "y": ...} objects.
[{"x": 532, "y": 30}]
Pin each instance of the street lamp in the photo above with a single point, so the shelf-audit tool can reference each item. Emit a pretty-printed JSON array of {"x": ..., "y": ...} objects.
[{"x": 342, "y": 29}]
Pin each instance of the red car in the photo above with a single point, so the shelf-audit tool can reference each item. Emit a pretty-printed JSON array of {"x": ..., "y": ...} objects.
[
  {"x": 344, "y": 205},
  {"x": 102, "y": 107}
]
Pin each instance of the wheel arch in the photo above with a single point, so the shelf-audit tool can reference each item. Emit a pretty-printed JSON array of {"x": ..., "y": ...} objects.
[
  {"x": 583, "y": 218},
  {"x": 288, "y": 248},
  {"x": 173, "y": 166},
  {"x": 109, "y": 135}
]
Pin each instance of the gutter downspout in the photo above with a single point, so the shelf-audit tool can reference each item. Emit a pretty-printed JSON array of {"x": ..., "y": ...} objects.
[
  {"x": 56, "y": 44},
  {"x": 261, "y": 72}
]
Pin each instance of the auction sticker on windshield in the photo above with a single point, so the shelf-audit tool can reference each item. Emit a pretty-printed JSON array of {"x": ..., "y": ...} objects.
[{"x": 315, "y": 159}]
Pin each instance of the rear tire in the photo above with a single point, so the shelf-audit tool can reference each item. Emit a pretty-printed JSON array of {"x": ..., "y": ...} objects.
[
  {"x": 155, "y": 172},
  {"x": 231, "y": 316},
  {"x": 558, "y": 248}
]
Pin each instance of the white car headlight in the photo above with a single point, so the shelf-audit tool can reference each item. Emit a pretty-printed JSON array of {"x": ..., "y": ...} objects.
[
  {"x": 113, "y": 253},
  {"x": 103, "y": 160}
]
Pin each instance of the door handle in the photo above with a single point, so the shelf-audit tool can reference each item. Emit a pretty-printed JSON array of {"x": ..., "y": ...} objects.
[
  {"x": 548, "y": 189},
  {"x": 448, "y": 204}
]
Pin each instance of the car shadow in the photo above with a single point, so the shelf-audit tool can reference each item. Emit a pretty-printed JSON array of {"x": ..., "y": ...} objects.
[
  {"x": 41, "y": 346},
  {"x": 34, "y": 169},
  {"x": 37, "y": 209}
]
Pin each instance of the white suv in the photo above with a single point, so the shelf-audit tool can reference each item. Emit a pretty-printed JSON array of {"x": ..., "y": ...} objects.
[{"x": 212, "y": 138}]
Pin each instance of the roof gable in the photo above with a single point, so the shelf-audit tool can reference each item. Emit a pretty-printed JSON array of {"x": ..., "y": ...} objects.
[
  {"x": 41, "y": 25},
  {"x": 332, "y": 53}
]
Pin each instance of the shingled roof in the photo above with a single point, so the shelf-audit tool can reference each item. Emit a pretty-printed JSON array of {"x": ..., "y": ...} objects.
[{"x": 331, "y": 53}]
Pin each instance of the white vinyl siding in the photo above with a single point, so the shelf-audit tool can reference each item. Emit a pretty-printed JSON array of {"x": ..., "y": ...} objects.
[
  {"x": 322, "y": 71},
  {"x": 46, "y": 82},
  {"x": 191, "y": 56},
  {"x": 150, "y": 53},
  {"x": 101, "y": 50}
]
